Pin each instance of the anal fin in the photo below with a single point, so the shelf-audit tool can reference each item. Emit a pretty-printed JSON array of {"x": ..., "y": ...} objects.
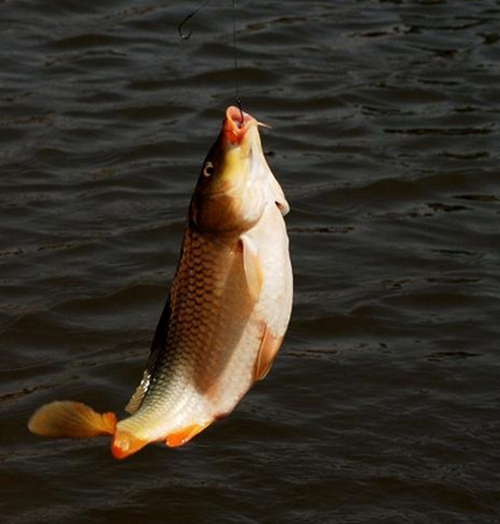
[{"x": 178, "y": 438}]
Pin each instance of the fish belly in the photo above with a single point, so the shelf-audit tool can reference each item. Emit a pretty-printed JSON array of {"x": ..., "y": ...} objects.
[
  {"x": 269, "y": 316},
  {"x": 216, "y": 330},
  {"x": 210, "y": 308}
]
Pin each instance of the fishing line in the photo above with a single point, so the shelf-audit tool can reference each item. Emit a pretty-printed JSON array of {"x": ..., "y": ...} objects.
[
  {"x": 236, "y": 70},
  {"x": 187, "y": 36}
]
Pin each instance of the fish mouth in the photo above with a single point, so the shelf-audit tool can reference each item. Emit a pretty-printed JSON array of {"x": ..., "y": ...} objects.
[{"x": 236, "y": 124}]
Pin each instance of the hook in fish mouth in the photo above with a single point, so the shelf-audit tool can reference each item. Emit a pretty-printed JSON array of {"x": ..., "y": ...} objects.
[{"x": 237, "y": 123}]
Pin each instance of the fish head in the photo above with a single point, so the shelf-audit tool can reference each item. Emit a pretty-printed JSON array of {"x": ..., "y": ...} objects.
[{"x": 230, "y": 195}]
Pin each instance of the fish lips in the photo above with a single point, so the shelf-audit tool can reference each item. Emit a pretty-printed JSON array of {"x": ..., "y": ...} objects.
[{"x": 236, "y": 125}]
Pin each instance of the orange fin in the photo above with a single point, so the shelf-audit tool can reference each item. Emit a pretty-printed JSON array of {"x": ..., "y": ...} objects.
[
  {"x": 185, "y": 434},
  {"x": 71, "y": 419},
  {"x": 252, "y": 267},
  {"x": 125, "y": 444},
  {"x": 268, "y": 350}
]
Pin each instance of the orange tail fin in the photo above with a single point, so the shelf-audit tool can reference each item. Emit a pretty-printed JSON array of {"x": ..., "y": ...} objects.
[{"x": 71, "y": 419}]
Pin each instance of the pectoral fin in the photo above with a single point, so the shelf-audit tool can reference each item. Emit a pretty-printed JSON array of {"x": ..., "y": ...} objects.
[
  {"x": 182, "y": 436},
  {"x": 279, "y": 196},
  {"x": 267, "y": 353},
  {"x": 252, "y": 266}
]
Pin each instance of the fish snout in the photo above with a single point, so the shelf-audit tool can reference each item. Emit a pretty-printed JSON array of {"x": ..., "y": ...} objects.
[{"x": 236, "y": 124}]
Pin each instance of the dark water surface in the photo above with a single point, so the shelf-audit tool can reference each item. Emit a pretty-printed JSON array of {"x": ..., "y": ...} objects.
[{"x": 383, "y": 406}]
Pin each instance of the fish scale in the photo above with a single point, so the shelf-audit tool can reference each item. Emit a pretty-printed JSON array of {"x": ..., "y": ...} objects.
[
  {"x": 226, "y": 314},
  {"x": 201, "y": 352}
]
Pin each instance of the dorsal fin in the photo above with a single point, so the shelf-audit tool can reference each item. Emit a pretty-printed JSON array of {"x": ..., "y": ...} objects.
[{"x": 157, "y": 350}]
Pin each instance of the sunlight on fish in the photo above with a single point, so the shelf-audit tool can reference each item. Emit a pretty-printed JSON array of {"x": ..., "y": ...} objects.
[{"x": 227, "y": 312}]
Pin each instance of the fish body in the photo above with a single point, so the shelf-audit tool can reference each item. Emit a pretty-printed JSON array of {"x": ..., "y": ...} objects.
[{"x": 227, "y": 311}]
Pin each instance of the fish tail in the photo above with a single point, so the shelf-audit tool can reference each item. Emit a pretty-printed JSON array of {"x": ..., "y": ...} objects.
[
  {"x": 76, "y": 420},
  {"x": 71, "y": 419}
]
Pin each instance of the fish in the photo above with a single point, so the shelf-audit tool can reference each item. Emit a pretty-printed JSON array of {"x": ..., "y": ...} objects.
[{"x": 225, "y": 316}]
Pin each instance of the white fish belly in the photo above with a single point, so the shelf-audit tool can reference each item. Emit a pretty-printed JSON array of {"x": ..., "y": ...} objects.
[
  {"x": 219, "y": 369},
  {"x": 272, "y": 310}
]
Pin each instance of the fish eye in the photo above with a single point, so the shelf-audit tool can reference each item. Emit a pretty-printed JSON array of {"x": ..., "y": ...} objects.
[{"x": 208, "y": 169}]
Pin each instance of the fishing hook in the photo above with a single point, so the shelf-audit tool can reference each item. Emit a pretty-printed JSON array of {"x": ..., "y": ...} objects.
[
  {"x": 238, "y": 103},
  {"x": 187, "y": 36}
]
